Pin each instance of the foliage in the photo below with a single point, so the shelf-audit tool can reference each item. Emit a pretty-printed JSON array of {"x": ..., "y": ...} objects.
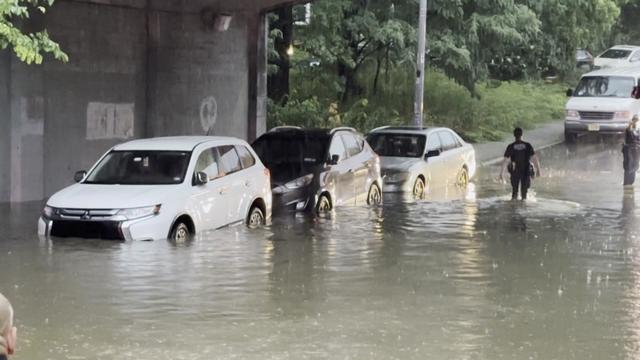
[{"x": 28, "y": 47}]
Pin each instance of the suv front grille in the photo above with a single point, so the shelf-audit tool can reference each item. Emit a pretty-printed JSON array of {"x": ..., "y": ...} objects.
[{"x": 595, "y": 115}]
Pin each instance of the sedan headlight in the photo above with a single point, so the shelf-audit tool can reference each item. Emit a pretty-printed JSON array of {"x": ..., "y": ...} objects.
[
  {"x": 572, "y": 114},
  {"x": 299, "y": 182},
  {"x": 47, "y": 211},
  {"x": 397, "y": 177},
  {"x": 137, "y": 213}
]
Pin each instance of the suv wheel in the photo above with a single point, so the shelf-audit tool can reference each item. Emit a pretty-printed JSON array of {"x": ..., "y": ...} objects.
[
  {"x": 324, "y": 204},
  {"x": 418, "y": 188},
  {"x": 180, "y": 233},
  {"x": 256, "y": 218}
]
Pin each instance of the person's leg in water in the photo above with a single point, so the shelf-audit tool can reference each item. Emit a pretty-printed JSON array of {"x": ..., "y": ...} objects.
[
  {"x": 525, "y": 183},
  {"x": 515, "y": 182}
]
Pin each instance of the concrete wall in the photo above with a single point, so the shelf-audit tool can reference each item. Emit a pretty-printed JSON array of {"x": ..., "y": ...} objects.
[{"x": 133, "y": 72}]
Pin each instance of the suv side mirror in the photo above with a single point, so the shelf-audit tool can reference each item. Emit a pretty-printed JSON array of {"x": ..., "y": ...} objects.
[
  {"x": 79, "y": 176},
  {"x": 334, "y": 159},
  {"x": 432, "y": 153},
  {"x": 201, "y": 178},
  {"x": 569, "y": 92}
]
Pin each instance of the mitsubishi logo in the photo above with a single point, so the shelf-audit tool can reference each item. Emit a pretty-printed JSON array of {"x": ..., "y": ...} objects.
[{"x": 86, "y": 215}]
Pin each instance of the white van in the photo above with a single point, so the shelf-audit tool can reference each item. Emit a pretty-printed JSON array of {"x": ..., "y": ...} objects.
[
  {"x": 162, "y": 188},
  {"x": 604, "y": 102}
]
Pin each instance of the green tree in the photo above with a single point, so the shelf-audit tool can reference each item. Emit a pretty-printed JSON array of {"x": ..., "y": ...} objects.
[{"x": 28, "y": 46}]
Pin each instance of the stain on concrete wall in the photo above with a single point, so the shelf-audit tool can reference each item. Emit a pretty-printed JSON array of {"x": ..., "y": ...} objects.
[{"x": 110, "y": 121}]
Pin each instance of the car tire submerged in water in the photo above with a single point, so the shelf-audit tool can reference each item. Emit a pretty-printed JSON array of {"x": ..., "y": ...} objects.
[
  {"x": 418, "y": 188},
  {"x": 570, "y": 138},
  {"x": 375, "y": 195},
  {"x": 463, "y": 178},
  {"x": 324, "y": 204},
  {"x": 256, "y": 218},
  {"x": 180, "y": 233}
]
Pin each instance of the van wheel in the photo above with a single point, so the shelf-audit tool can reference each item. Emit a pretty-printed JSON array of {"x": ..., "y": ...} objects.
[
  {"x": 375, "y": 195},
  {"x": 570, "y": 138},
  {"x": 180, "y": 233},
  {"x": 463, "y": 178},
  {"x": 256, "y": 218},
  {"x": 324, "y": 204},
  {"x": 418, "y": 188}
]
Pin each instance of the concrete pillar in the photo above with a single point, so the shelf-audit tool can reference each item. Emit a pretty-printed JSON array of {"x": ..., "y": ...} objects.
[
  {"x": 257, "y": 54},
  {"x": 5, "y": 126}
]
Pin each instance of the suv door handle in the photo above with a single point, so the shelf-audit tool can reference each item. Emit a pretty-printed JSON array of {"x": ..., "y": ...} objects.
[{"x": 223, "y": 190}]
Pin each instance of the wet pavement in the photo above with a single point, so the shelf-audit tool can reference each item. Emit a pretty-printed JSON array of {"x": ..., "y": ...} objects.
[{"x": 465, "y": 275}]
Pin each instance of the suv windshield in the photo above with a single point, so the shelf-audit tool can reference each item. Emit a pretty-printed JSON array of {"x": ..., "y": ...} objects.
[
  {"x": 616, "y": 54},
  {"x": 605, "y": 86},
  {"x": 290, "y": 155},
  {"x": 141, "y": 168},
  {"x": 397, "y": 145}
]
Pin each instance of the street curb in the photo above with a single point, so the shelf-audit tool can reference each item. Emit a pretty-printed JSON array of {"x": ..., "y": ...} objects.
[{"x": 499, "y": 159}]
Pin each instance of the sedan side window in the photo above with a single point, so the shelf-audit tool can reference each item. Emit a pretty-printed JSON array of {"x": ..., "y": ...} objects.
[
  {"x": 353, "y": 148},
  {"x": 337, "y": 148},
  {"x": 245, "y": 156},
  {"x": 635, "y": 57},
  {"x": 448, "y": 141},
  {"x": 230, "y": 159},
  {"x": 433, "y": 143},
  {"x": 208, "y": 163}
]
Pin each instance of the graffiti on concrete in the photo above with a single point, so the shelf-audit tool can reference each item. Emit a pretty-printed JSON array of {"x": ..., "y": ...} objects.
[
  {"x": 208, "y": 114},
  {"x": 110, "y": 121}
]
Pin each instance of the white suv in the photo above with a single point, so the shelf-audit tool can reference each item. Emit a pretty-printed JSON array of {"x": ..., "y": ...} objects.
[{"x": 163, "y": 188}]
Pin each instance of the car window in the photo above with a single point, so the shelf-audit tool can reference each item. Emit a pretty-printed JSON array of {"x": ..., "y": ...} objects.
[
  {"x": 433, "y": 143},
  {"x": 448, "y": 141},
  {"x": 230, "y": 159},
  {"x": 398, "y": 145},
  {"x": 208, "y": 163},
  {"x": 337, "y": 148},
  {"x": 635, "y": 57},
  {"x": 616, "y": 54},
  {"x": 353, "y": 148},
  {"x": 245, "y": 156}
]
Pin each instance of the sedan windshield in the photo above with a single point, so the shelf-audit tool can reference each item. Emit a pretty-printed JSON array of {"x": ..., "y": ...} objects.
[
  {"x": 605, "y": 86},
  {"x": 397, "y": 145},
  {"x": 616, "y": 54},
  {"x": 141, "y": 168},
  {"x": 291, "y": 155}
]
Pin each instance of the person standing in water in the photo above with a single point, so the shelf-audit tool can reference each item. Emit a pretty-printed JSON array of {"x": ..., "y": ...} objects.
[
  {"x": 8, "y": 332},
  {"x": 631, "y": 152},
  {"x": 517, "y": 160}
]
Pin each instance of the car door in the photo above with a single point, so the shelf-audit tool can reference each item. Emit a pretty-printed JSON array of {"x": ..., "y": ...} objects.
[
  {"x": 207, "y": 203},
  {"x": 252, "y": 182},
  {"x": 358, "y": 165},
  {"x": 435, "y": 163},
  {"x": 341, "y": 173},
  {"x": 234, "y": 184},
  {"x": 452, "y": 159}
]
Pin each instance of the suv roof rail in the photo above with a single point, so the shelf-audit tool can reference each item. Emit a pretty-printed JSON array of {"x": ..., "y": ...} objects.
[
  {"x": 343, "y": 128},
  {"x": 280, "y": 128}
]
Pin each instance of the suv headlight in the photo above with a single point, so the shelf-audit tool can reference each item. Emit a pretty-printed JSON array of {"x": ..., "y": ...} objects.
[
  {"x": 572, "y": 114},
  {"x": 299, "y": 182},
  {"x": 137, "y": 213},
  {"x": 48, "y": 211}
]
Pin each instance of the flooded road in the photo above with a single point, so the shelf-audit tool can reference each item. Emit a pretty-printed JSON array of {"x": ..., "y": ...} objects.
[{"x": 462, "y": 276}]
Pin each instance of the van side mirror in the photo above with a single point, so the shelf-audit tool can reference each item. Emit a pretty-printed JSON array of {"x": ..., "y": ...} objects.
[
  {"x": 79, "y": 176},
  {"x": 635, "y": 93},
  {"x": 432, "y": 153},
  {"x": 569, "y": 92},
  {"x": 334, "y": 159},
  {"x": 201, "y": 178}
]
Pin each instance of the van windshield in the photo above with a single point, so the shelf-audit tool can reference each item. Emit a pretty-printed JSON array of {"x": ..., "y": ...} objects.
[
  {"x": 616, "y": 54},
  {"x": 141, "y": 168},
  {"x": 605, "y": 86}
]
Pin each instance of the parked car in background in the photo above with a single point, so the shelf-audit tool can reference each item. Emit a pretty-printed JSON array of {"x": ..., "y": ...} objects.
[
  {"x": 603, "y": 102},
  {"x": 415, "y": 159},
  {"x": 162, "y": 188},
  {"x": 620, "y": 55},
  {"x": 584, "y": 59},
  {"x": 318, "y": 169}
]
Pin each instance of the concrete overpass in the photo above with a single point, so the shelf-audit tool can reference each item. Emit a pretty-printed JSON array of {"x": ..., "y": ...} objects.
[{"x": 138, "y": 68}]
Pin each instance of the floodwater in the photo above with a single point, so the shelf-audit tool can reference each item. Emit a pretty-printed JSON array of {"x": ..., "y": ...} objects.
[{"x": 463, "y": 276}]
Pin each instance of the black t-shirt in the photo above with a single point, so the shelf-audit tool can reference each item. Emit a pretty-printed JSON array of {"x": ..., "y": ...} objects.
[
  {"x": 520, "y": 153},
  {"x": 632, "y": 137}
]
